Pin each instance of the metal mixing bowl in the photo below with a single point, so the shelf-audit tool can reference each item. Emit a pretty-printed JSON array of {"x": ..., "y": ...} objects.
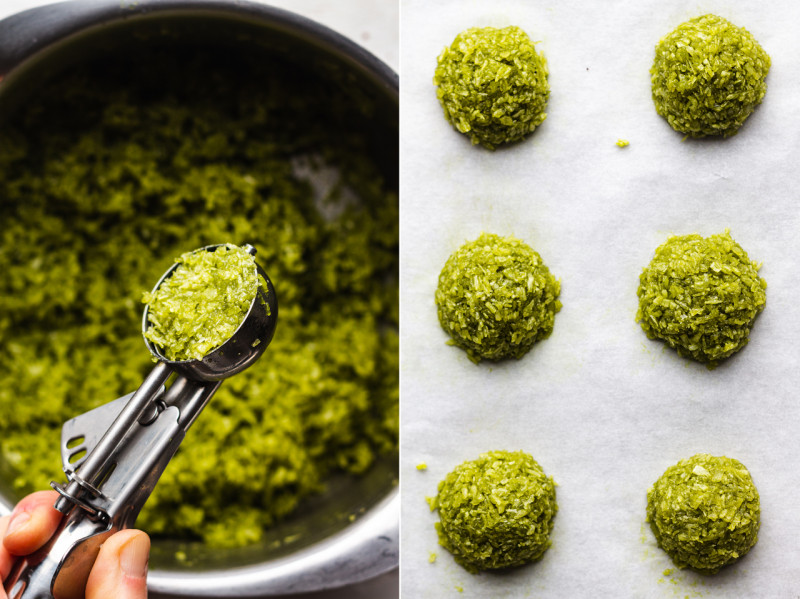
[{"x": 35, "y": 45}]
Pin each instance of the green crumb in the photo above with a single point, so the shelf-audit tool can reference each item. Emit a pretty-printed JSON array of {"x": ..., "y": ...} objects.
[
  {"x": 432, "y": 558},
  {"x": 120, "y": 165},
  {"x": 202, "y": 303},
  {"x": 708, "y": 76},
  {"x": 704, "y": 512},
  {"x": 422, "y": 466},
  {"x": 496, "y": 298},
  {"x": 701, "y": 296},
  {"x": 497, "y": 511},
  {"x": 667, "y": 572},
  {"x": 460, "y": 589},
  {"x": 289, "y": 539},
  {"x": 623, "y": 143},
  {"x": 492, "y": 85}
]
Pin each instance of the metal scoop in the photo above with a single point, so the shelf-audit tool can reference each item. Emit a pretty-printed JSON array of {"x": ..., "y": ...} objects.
[{"x": 114, "y": 455}]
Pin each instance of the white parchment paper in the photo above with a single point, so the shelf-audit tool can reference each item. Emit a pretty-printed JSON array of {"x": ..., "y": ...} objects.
[
  {"x": 601, "y": 407},
  {"x": 372, "y": 24}
]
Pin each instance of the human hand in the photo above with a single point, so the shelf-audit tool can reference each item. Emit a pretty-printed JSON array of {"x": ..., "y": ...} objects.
[{"x": 120, "y": 570}]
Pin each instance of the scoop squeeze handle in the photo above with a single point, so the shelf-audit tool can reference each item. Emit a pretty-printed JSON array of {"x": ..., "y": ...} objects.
[{"x": 111, "y": 498}]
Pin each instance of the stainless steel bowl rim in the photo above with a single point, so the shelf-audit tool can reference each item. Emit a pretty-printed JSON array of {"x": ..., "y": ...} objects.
[
  {"x": 29, "y": 32},
  {"x": 366, "y": 548}
]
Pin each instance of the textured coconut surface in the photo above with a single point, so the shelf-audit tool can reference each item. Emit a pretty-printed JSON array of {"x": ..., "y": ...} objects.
[
  {"x": 496, "y": 298},
  {"x": 708, "y": 76},
  {"x": 496, "y": 511},
  {"x": 705, "y": 512},
  {"x": 492, "y": 85},
  {"x": 202, "y": 303},
  {"x": 701, "y": 295}
]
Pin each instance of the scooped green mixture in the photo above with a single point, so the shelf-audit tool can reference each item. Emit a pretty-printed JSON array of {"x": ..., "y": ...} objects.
[
  {"x": 496, "y": 298},
  {"x": 496, "y": 511},
  {"x": 708, "y": 76},
  {"x": 705, "y": 512},
  {"x": 701, "y": 296},
  {"x": 492, "y": 85},
  {"x": 202, "y": 303},
  {"x": 104, "y": 179}
]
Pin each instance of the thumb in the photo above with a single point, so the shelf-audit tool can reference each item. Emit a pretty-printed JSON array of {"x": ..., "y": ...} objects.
[{"x": 121, "y": 567}]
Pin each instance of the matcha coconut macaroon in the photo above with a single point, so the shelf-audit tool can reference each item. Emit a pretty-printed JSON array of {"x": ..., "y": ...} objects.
[
  {"x": 701, "y": 296},
  {"x": 704, "y": 512},
  {"x": 496, "y": 298},
  {"x": 492, "y": 85},
  {"x": 496, "y": 512},
  {"x": 708, "y": 76}
]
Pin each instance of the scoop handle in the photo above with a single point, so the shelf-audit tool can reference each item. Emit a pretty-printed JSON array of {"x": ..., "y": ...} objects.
[{"x": 61, "y": 568}]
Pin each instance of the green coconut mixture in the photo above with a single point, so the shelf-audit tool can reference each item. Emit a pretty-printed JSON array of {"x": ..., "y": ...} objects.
[
  {"x": 496, "y": 512},
  {"x": 704, "y": 512},
  {"x": 202, "y": 303},
  {"x": 708, "y": 76},
  {"x": 701, "y": 296},
  {"x": 109, "y": 174},
  {"x": 492, "y": 85},
  {"x": 496, "y": 298}
]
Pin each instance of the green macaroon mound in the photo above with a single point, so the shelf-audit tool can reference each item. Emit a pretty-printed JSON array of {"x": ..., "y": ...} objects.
[
  {"x": 496, "y": 511},
  {"x": 496, "y": 298},
  {"x": 708, "y": 76},
  {"x": 705, "y": 512},
  {"x": 701, "y": 296},
  {"x": 492, "y": 85}
]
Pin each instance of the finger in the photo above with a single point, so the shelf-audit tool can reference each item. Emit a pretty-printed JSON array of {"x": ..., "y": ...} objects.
[
  {"x": 32, "y": 523},
  {"x": 6, "y": 559},
  {"x": 121, "y": 567}
]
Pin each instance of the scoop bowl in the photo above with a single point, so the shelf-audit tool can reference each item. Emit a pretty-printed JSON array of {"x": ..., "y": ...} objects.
[{"x": 242, "y": 349}]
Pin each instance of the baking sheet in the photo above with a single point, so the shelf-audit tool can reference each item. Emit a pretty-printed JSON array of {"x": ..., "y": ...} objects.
[{"x": 601, "y": 407}]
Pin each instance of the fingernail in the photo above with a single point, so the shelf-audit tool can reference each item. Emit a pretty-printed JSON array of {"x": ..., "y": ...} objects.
[
  {"x": 134, "y": 556},
  {"x": 18, "y": 522}
]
